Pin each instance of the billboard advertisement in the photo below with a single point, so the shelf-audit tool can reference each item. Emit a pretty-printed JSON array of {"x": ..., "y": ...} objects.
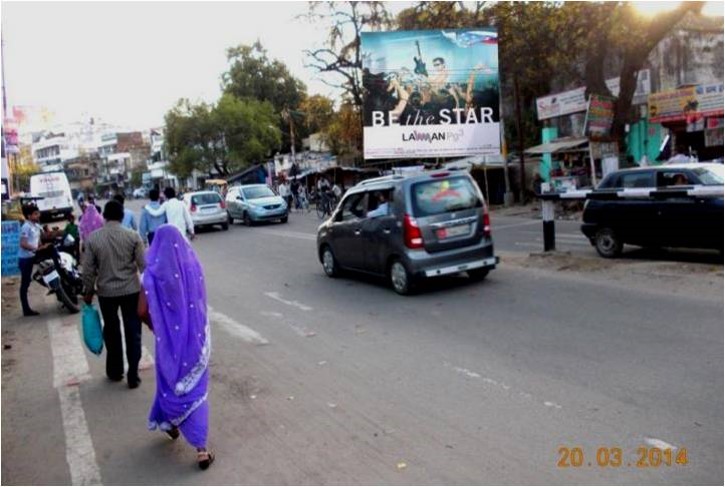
[{"x": 432, "y": 93}]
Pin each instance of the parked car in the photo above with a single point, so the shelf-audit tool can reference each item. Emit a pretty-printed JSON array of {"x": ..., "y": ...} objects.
[
  {"x": 431, "y": 224},
  {"x": 254, "y": 203},
  {"x": 673, "y": 221},
  {"x": 141, "y": 192},
  {"x": 207, "y": 208}
]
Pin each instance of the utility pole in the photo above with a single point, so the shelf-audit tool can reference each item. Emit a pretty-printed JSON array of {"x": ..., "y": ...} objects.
[{"x": 520, "y": 130}]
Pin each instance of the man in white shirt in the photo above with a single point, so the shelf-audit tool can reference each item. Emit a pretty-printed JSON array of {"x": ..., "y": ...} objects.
[
  {"x": 382, "y": 209},
  {"x": 176, "y": 213}
]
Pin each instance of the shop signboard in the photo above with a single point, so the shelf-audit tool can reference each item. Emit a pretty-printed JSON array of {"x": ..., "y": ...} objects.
[
  {"x": 687, "y": 104},
  {"x": 10, "y": 247},
  {"x": 600, "y": 115},
  {"x": 574, "y": 101},
  {"x": 431, "y": 93}
]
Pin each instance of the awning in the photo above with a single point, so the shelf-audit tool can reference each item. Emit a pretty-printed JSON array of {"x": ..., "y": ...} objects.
[{"x": 558, "y": 145}]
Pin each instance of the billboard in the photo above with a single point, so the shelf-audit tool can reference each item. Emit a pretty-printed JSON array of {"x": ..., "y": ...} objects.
[{"x": 432, "y": 93}]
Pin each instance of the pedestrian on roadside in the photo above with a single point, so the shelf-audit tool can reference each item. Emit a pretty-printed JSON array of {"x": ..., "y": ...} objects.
[
  {"x": 129, "y": 219},
  {"x": 176, "y": 213},
  {"x": 30, "y": 243},
  {"x": 112, "y": 258},
  {"x": 148, "y": 224},
  {"x": 173, "y": 304},
  {"x": 90, "y": 221},
  {"x": 295, "y": 190},
  {"x": 72, "y": 229},
  {"x": 284, "y": 193}
]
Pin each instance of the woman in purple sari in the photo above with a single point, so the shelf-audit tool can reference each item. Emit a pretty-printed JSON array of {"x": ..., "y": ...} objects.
[
  {"x": 173, "y": 304},
  {"x": 91, "y": 221}
]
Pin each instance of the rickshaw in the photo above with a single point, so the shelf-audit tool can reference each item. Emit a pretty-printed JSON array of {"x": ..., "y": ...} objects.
[{"x": 218, "y": 185}]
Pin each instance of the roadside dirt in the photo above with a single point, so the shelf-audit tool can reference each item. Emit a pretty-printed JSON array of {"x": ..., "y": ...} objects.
[{"x": 697, "y": 279}]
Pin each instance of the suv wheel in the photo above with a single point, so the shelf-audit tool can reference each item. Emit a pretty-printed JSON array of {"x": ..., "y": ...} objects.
[
  {"x": 607, "y": 243},
  {"x": 329, "y": 264},
  {"x": 400, "y": 278}
]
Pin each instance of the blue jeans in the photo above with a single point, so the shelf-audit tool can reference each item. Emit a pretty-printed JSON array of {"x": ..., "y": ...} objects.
[{"x": 26, "y": 274}]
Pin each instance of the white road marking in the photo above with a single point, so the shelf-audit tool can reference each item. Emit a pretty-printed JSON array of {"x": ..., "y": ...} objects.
[
  {"x": 235, "y": 328},
  {"x": 70, "y": 367},
  {"x": 290, "y": 234},
  {"x": 300, "y": 330},
  {"x": 271, "y": 314},
  {"x": 662, "y": 445},
  {"x": 475, "y": 375},
  {"x": 512, "y": 225},
  {"x": 296, "y": 304},
  {"x": 69, "y": 360}
]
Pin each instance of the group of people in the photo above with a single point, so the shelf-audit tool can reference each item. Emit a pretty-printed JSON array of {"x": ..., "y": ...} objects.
[
  {"x": 162, "y": 285},
  {"x": 296, "y": 196}
]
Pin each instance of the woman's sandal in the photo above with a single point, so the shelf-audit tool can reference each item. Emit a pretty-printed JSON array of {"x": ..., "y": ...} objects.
[
  {"x": 205, "y": 459},
  {"x": 172, "y": 433}
]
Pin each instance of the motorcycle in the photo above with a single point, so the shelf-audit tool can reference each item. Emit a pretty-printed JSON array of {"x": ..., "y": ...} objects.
[{"x": 59, "y": 273}]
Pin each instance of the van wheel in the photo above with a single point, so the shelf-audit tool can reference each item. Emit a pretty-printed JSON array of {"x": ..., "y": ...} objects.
[
  {"x": 607, "y": 243},
  {"x": 477, "y": 274},
  {"x": 329, "y": 263},
  {"x": 400, "y": 278}
]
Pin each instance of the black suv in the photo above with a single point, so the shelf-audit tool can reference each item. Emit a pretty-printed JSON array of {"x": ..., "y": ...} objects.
[
  {"x": 409, "y": 228},
  {"x": 668, "y": 221}
]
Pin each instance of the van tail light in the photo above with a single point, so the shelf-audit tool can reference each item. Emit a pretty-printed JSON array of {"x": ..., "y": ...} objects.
[
  {"x": 412, "y": 233},
  {"x": 193, "y": 208},
  {"x": 223, "y": 204},
  {"x": 486, "y": 223}
]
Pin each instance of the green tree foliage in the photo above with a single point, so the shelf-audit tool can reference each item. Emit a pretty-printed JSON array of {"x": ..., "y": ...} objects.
[
  {"x": 253, "y": 75},
  {"x": 318, "y": 112},
  {"x": 344, "y": 134},
  {"x": 220, "y": 139}
]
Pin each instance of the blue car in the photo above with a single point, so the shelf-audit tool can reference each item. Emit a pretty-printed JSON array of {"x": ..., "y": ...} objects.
[{"x": 254, "y": 203}]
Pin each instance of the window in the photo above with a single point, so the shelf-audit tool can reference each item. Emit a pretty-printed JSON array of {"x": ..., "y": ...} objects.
[
  {"x": 374, "y": 198},
  {"x": 672, "y": 178},
  {"x": 354, "y": 207},
  {"x": 443, "y": 195},
  {"x": 205, "y": 199},
  {"x": 635, "y": 180},
  {"x": 709, "y": 177},
  {"x": 255, "y": 192}
]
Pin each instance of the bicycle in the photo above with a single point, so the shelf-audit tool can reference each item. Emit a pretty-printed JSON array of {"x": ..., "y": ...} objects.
[{"x": 325, "y": 205}]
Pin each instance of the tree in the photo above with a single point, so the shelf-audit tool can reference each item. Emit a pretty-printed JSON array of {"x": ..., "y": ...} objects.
[
  {"x": 344, "y": 134},
  {"x": 252, "y": 75},
  {"x": 614, "y": 33},
  {"x": 342, "y": 55},
  {"x": 220, "y": 139},
  {"x": 318, "y": 112}
]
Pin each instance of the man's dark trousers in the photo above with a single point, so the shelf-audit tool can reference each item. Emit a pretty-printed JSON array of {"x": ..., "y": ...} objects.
[{"x": 112, "y": 335}]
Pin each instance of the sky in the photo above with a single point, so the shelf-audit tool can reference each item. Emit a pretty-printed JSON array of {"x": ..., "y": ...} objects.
[{"x": 128, "y": 62}]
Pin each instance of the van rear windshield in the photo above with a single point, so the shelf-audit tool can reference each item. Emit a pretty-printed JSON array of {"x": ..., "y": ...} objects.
[{"x": 444, "y": 195}]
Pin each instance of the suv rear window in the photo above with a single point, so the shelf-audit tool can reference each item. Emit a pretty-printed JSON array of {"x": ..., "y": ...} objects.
[
  {"x": 444, "y": 195},
  {"x": 205, "y": 199}
]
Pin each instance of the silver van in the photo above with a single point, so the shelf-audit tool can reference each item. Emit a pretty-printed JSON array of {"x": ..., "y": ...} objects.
[{"x": 409, "y": 228}]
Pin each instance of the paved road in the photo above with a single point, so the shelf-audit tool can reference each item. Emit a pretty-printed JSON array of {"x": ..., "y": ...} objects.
[{"x": 321, "y": 381}]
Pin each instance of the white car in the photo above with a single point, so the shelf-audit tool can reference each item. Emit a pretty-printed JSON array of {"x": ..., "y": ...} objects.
[
  {"x": 141, "y": 192},
  {"x": 207, "y": 208}
]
